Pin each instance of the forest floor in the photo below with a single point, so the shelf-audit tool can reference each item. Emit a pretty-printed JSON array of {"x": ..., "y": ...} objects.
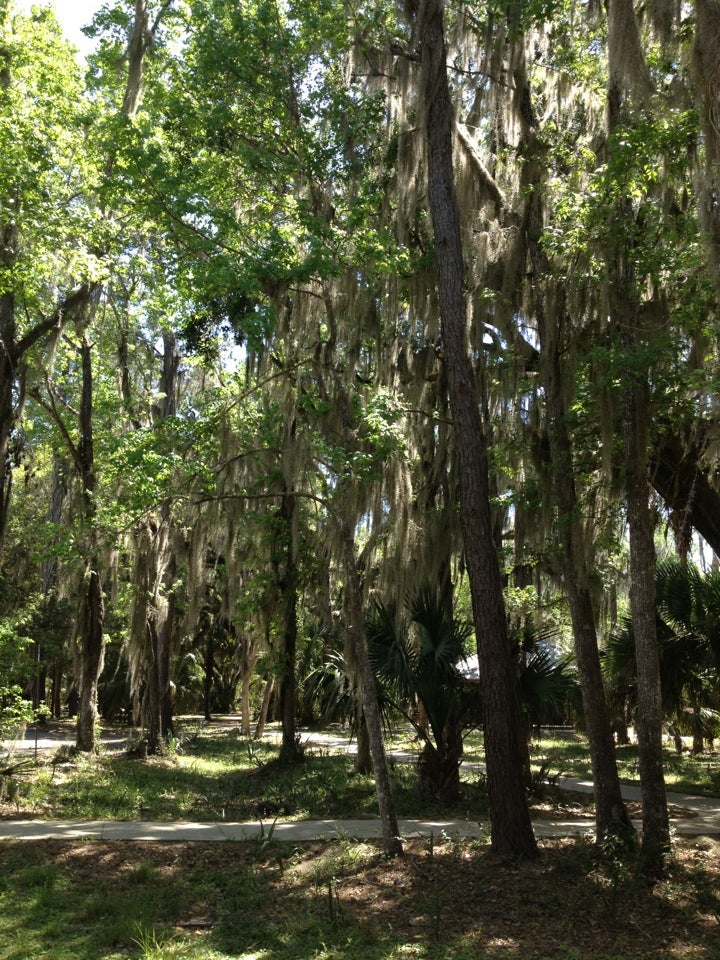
[
  {"x": 444, "y": 899},
  {"x": 447, "y": 898}
]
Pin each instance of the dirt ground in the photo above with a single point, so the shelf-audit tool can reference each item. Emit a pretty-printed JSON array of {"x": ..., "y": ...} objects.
[{"x": 569, "y": 902}]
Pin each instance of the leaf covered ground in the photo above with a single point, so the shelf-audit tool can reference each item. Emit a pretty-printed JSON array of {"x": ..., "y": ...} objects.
[{"x": 269, "y": 901}]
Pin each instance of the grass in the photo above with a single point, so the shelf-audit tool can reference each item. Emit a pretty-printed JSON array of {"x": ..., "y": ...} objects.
[
  {"x": 219, "y": 777},
  {"x": 214, "y": 776},
  {"x": 684, "y": 773},
  {"x": 446, "y": 899}
]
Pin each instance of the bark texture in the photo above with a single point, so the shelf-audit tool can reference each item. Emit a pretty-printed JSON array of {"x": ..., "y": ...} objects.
[
  {"x": 288, "y": 587},
  {"x": 610, "y": 811},
  {"x": 371, "y": 709},
  {"x": 91, "y": 640},
  {"x": 548, "y": 300},
  {"x": 512, "y": 833},
  {"x": 656, "y": 826},
  {"x": 625, "y": 95}
]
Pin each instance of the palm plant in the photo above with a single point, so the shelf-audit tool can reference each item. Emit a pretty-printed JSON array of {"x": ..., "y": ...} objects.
[
  {"x": 688, "y": 605},
  {"x": 548, "y": 685},
  {"x": 329, "y": 690},
  {"x": 415, "y": 659},
  {"x": 548, "y": 690},
  {"x": 688, "y": 625}
]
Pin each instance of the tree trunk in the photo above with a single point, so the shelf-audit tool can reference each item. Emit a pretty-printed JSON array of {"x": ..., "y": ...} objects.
[
  {"x": 551, "y": 315},
  {"x": 629, "y": 85},
  {"x": 363, "y": 760},
  {"x": 439, "y": 772},
  {"x": 698, "y": 744},
  {"x": 265, "y": 707},
  {"x": 91, "y": 663},
  {"x": 368, "y": 689},
  {"x": 7, "y": 412},
  {"x": 249, "y": 659},
  {"x": 165, "y": 686},
  {"x": 289, "y": 751},
  {"x": 610, "y": 811},
  {"x": 512, "y": 833},
  {"x": 56, "y": 700},
  {"x": 656, "y": 827},
  {"x": 150, "y": 715},
  {"x": 9, "y": 249},
  {"x": 209, "y": 664},
  {"x": 706, "y": 62},
  {"x": 92, "y": 643}
]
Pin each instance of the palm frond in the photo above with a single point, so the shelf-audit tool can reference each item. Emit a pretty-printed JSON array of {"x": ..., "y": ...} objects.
[
  {"x": 549, "y": 687},
  {"x": 391, "y": 653}
]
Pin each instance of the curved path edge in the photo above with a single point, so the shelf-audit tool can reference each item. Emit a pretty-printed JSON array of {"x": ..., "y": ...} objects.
[{"x": 695, "y": 816}]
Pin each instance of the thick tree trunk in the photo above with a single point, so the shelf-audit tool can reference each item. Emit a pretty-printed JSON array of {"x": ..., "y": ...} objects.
[
  {"x": 629, "y": 87},
  {"x": 610, "y": 811},
  {"x": 363, "y": 759},
  {"x": 512, "y": 833},
  {"x": 158, "y": 701},
  {"x": 151, "y": 699},
  {"x": 91, "y": 663},
  {"x": 158, "y": 664},
  {"x": 439, "y": 773}
]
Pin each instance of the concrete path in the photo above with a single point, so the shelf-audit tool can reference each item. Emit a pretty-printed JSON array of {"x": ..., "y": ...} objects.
[
  {"x": 255, "y": 831},
  {"x": 696, "y": 816},
  {"x": 690, "y": 816}
]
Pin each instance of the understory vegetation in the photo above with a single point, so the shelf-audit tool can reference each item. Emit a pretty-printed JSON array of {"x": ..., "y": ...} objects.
[
  {"x": 445, "y": 898},
  {"x": 361, "y": 360},
  {"x": 211, "y": 773},
  {"x": 263, "y": 899}
]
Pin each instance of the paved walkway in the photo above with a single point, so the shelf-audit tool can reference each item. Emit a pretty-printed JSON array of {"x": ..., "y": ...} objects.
[{"x": 690, "y": 816}]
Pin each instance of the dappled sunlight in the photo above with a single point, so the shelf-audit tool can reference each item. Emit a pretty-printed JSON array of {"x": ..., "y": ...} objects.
[{"x": 445, "y": 899}]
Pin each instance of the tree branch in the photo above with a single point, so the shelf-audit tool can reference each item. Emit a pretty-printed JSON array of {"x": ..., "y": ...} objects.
[
  {"x": 50, "y": 407},
  {"x": 483, "y": 173},
  {"x": 69, "y": 304}
]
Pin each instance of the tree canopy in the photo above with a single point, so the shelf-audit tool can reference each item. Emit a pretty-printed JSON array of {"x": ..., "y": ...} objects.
[{"x": 306, "y": 306}]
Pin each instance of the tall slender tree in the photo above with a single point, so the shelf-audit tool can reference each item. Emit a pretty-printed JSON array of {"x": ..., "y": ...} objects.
[
  {"x": 629, "y": 90},
  {"x": 512, "y": 833}
]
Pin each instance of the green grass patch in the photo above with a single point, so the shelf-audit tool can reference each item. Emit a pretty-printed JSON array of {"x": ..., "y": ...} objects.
[
  {"x": 343, "y": 901},
  {"x": 217, "y": 776},
  {"x": 684, "y": 773},
  {"x": 220, "y": 777}
]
